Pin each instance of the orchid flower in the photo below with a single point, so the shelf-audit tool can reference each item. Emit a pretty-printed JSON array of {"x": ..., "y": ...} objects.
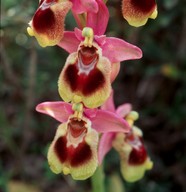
[
  {"x": 137, "y": 12},
  {"x": 130, "y": 146},
  {"x": 74, "y": 148},
  {"x": 47, "y": 24},
  {"x": 89, "y": 69}
]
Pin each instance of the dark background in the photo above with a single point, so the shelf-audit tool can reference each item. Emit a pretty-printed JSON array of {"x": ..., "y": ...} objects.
[{"x": 154, "y": 85}]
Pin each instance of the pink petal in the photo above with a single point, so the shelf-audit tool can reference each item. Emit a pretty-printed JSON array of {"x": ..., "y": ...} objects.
[
  {"x": 115, "y": 68},
  {"x": 100, "y": 40},
  {"x": 69, "y": 42},
  {"x": 58, "y": 110},
  {"x": 90, "y": 5},
  {"x": 78, "y": 34},
  {"x": 105, "y": 145},
  {"x": 77, "y": 7},
  {"x": 98, "y": 21},
  {"x": 117, "y": 50},
  {"x": 90, "y": 113},
  {"x": 124, "y": 109},
  {"x": 109, "y": 104},
  {"x": 82, "y": 6},
  {"x": 105, "y": 121}
]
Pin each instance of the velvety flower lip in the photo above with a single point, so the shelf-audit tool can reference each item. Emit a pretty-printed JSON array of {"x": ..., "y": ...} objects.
[
  {"x": 137, "y": 12},
  {"x": 47, "y": 24},
  {"x": 74, "y": 149},
  {"x": 134, "y": 159}
]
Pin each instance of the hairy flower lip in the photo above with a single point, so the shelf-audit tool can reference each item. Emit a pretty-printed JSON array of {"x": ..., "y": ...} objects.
[
  {"x": 138, "y": 154},
  {"x": 144, "y": 6},
  {"x": 41, "y": 14},
  {"x": 47, "y": 24},
  {"x": 137, "y": 12},
  {"x": 74, "y": 155}
]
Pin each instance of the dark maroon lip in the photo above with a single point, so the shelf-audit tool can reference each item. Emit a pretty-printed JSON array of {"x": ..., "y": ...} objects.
[
  {"x": 74, "y": 156},
  {"x": 43, "y": 20},
  {"x": 86, "y": 84},
  {"x": 83, "y": 75},
  {"x": 143, "y": 5},
  {"x": 138, "y": 155}
]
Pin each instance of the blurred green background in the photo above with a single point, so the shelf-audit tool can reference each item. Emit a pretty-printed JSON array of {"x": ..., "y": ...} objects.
[{"x": 155, "y": 85}]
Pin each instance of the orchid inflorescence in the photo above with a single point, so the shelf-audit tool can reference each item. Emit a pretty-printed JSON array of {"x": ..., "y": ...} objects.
[{"x": 90, "y": 123}]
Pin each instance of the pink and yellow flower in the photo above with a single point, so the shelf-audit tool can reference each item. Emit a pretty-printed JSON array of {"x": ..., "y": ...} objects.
[
  {"x": 92, "y": 65},
  {"x": 74, "y": 148},
  {"x": 93, "y": 62},
  {"x": 134, "y": 159},
  {"x": 137, "y": 12},
  {"x": 47, "y": 24},
  {"x": 86, "y": 76}
]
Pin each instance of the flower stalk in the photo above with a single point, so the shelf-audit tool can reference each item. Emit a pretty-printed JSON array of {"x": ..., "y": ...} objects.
[{"x": 97, "y": 180}]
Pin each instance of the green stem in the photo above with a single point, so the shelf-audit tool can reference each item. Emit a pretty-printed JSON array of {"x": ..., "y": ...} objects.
[{"x": 97, "y": 180}]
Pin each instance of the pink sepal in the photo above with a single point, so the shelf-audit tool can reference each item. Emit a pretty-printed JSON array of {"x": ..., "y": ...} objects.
[
  {"x": 105, "y": 121},
  {"x": 109, "y": 104},
  {"x": 69, "y": 42},
  {"x": 105, "y": 145},
  {"x": 124, "y": 109},
  {"x": 117, "y": 50},
  {"x": 98, "y": 21},
  {"x": 58, "y": 110}
]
